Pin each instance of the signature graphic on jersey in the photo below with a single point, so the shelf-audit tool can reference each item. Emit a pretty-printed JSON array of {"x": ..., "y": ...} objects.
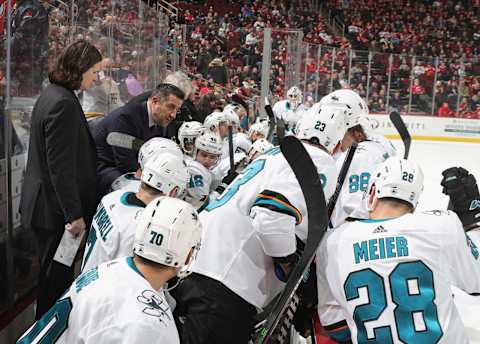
[{"x": 156, "y": 306}]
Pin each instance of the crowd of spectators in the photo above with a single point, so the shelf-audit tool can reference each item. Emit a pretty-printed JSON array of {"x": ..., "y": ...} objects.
[
  {"x": 426, "y": 37},
  {"x": 221, "y": 44}
]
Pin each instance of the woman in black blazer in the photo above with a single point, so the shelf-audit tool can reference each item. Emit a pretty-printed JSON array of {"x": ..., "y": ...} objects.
[{"x": 59, "y": 187}]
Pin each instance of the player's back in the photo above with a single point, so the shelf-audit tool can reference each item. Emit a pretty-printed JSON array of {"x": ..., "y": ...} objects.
[
  {"x": 112, "y": 303},
  {"x": 392, "y": 277},
  {"x": 368, "y": 156},
  {"x": 264, "y": 202},
  {"x": 113, "y": 228}
]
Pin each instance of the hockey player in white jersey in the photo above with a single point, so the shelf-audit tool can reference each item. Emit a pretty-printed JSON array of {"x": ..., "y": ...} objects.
[
  {"x": 122, "y": 301},
  {"x": 258, "y": 130},
  {"x": 113, "y": 227},
  {"x": 207, "y": 152},
  {"x": 371, "y": 151},
  {"x": 290, "y": 110},
  {"x": 250, "y": 228},
  {"x": 259, "y": 147},
  {"x": 187, "y": 134},
  {"x": 217, "y": 123},
  {"x": 131, "y": 181},
  {"x": 393, "y": 277}
]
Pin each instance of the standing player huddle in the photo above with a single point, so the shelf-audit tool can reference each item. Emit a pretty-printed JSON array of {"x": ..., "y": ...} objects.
[
  {"x": 250, "y": 239},
  {"x": 122, "y": 301},
  {"x": 393, "y": 278}
]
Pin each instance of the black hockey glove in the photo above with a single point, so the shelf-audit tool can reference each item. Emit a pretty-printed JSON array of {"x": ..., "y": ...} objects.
[{"x": 462, "y": 188}]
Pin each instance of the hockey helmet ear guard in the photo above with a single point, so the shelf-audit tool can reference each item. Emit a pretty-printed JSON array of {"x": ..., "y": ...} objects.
[
  {"x": 396, "y": 178},
  {"x": 462, "y": 188},
  {"x": 169, "y": 233}
]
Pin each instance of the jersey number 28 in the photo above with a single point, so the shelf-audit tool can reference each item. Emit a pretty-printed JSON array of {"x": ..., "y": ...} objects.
[{"x": 413, "y": 293}]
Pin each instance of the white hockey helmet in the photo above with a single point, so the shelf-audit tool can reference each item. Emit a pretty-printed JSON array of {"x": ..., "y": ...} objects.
[
  {"x": 259, "y": 128},
  {"x": 209, "y": 142},
  {"x": 259, "y": 147},
  {"x": 214, "y": 120},
  {"x": 167, "y": 231},
  {"x": 125, "y": 180},
  {"x": 164, "y": 172},
  {"x": 357, "y": 106},
  {"x": 294, "y": 97},
  {"x": 155, "y": 146},
  {"x": 396, "y": 178},
  {"x": 231, "y": 115},
  {"x": 326, "y": 124},
  {"x": 241, "y": 142},
  {"x": 187, "y": 134}
]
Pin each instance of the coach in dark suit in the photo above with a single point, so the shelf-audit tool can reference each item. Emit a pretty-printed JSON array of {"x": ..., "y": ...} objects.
[
  {"x": 143, "y": 120},
  {"x": 59, "y": 186}
]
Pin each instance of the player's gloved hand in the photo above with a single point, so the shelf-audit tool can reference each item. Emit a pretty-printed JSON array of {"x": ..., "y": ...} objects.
[
  {"x": 229, "y": 177},
  {"x": 462, "y": 188}
]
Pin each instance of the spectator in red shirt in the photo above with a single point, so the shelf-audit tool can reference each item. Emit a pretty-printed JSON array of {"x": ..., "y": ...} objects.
[{"x": 445, "y": 111}]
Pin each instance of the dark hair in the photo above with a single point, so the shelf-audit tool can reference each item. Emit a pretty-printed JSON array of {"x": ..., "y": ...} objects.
[
  {"x": 150, "y": 190},
  {"x": 75, "y": 60},
  {"x": 358, "y": 133},
  {"x": 396, "y": 202},
  {"x": 162, "y": 91}
]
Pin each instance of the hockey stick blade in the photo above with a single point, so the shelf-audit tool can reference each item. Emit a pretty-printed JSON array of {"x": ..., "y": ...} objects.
[
  {"x": 307, "y": 176},
  {"x": 402, "y": 130},
  {"x": 122, "y": 140}
]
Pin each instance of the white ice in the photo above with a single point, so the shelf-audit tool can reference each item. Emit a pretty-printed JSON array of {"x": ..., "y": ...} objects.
[{"x": 433, "y": 158}]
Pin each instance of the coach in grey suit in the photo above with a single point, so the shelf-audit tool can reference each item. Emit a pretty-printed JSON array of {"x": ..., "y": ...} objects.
[{"x": 59, "y": 187}]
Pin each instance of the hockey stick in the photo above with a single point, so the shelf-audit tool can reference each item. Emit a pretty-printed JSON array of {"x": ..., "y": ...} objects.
[
  {"x": 271, "y": 117},
  {"x": 230, "y": 149},
  {"x": 341, "y": 179},
  {"x": 307, "y": 176},
  {"x": 288, "y": 293},
  {"x": 122, "y": 140},
  {"x": 402, "y": 130}
]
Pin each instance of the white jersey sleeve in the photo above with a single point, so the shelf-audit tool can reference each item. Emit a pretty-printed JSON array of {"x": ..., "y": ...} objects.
[
  {"x": 280, "y": 110},
  {"x": 463, "y": 256},
  {"x": 254, "y": 219}
]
